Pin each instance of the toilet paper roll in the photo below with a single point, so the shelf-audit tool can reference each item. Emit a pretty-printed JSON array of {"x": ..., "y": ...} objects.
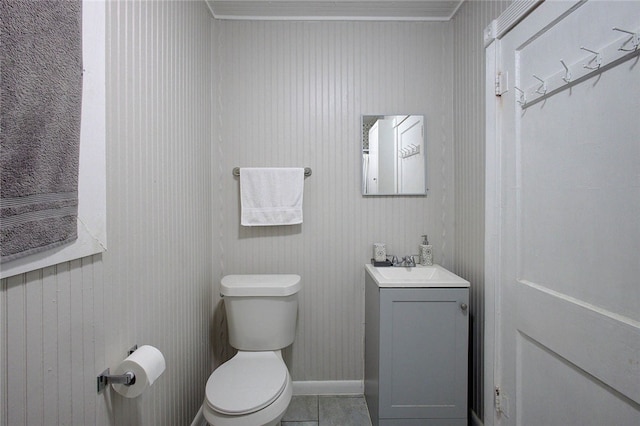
[{"x": 147, "y": 364}]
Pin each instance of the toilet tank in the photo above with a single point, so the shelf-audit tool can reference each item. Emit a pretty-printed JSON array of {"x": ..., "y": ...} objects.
[{"x": 261, "y": 310}]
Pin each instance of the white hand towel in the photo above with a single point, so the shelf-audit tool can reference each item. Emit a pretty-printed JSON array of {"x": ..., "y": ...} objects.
[{"x": 271, "y": 196}]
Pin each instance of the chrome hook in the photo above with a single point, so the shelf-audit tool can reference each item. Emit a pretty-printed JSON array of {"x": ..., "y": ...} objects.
[
  {"x": 521, "y": 99},
  {"x": 596, "y": 60},
  {"x": 634, "y": 39},
  {"x": 542, "y": 89},
  {"x": 567, "y": 73}
]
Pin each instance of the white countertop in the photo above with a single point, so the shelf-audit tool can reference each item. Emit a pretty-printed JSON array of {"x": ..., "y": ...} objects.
[{"x": 415, "y": 277}]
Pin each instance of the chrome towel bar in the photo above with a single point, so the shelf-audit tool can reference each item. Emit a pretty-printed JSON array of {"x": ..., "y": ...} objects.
[{"x": 307, "y": 171}]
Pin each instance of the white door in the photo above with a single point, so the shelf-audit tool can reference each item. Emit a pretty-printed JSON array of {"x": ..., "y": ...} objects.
[
  {"x": 372, "y": 170},
  {"x": 386, "y": 157},
  {"x": 411, "y": 168},
  {"x": 563, "y": 218}
]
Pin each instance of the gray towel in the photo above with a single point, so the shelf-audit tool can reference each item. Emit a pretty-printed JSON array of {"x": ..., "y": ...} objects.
[{"x": 40, "y": 108}]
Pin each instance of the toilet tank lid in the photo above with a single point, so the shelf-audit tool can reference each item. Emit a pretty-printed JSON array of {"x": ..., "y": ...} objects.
[{"x": 260, "y": 285}]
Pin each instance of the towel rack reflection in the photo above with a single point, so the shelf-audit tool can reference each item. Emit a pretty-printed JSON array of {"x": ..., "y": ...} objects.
[{"x": 307, "y": 171}]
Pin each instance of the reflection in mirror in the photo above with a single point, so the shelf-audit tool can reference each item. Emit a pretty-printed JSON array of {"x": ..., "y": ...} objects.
[{"x": 393, "y": 155}]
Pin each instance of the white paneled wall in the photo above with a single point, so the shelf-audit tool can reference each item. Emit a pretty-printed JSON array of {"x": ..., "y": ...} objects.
[
  {"x": 62, "y": 325},
  {"x": 469, "y": 149},
  {"x": 188, "y": 100},
  {"x": 52, "y": 344},
  {"x": 291, "y": 94}
]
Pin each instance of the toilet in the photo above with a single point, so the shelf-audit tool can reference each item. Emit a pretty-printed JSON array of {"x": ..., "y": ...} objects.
[{"x": 254, "y": 387}]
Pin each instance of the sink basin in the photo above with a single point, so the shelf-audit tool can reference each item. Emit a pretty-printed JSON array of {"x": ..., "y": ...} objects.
[
  {"x": 418, "y": 276},
  {"x": 414, "y": 273}
]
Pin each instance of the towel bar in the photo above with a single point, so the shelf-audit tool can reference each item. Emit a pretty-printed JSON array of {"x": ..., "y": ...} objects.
[{"x": 307, "y": 171}]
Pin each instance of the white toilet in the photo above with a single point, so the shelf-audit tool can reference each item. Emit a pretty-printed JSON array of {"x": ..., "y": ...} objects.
[{"x": 254, "y": 387}]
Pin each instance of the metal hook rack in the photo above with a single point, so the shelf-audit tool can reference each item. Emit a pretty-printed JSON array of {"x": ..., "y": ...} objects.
[
  {"x": 598, "y": 61},
  {"x": 409, "y": 151}
]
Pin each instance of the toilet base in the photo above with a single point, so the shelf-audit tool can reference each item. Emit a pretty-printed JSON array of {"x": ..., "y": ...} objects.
[{"x": 268, "y": 416}]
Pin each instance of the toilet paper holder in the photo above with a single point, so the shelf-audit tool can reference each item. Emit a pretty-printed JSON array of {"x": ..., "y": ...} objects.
[{"x": 127, "y": 379}]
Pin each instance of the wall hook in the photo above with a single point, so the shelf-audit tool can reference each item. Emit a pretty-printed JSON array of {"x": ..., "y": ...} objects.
[
  {"x": 521, "y": 98},
  {"x": 634, "y": 39},
  {"x": 542, "y": 89},
  {"x": 567, "y": 73},
  {"x": 409, "y": 150},
  {"x": 595, "y": 62}
]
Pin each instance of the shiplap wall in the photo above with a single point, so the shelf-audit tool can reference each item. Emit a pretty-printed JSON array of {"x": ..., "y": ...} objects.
[
  {"x": 62, "y": 325},
  {"x": 291, "y": 94},
  {"x": 469, "y": 150}
]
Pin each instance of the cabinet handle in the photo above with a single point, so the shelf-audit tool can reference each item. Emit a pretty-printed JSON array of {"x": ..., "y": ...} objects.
[{"x": 463, "y": 306}]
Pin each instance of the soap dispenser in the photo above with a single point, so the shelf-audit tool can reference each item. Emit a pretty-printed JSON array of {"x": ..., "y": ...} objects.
[{"x": 426, "y": 252}]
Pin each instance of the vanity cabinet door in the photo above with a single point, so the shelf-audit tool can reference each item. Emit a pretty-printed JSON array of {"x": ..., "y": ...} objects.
[{"x": 423, "y": 353}]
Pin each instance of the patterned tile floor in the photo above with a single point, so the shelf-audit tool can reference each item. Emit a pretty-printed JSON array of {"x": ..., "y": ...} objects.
[{"x": 314, "y": 410}]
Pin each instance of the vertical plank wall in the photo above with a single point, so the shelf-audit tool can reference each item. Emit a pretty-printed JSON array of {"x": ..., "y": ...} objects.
[
  {"x": 469, "y": 151},
  {"x": 62, "y": 325},
  {"x": 291, "y": 94}
]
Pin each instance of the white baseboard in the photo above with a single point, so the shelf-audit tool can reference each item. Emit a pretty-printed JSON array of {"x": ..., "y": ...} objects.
[
  {"x": 475, "y": 420},
  {"x": 329, "y": 387}
]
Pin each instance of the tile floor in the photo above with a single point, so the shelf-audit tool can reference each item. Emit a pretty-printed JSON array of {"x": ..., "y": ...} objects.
[{"x": 314, "y": 410}]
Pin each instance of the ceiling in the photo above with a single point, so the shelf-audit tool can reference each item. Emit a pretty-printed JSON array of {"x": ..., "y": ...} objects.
[{"x": 372, "y": 10}]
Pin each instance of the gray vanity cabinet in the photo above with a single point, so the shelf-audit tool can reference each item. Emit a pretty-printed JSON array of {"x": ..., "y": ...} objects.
[{"x": 416, "y": 351}]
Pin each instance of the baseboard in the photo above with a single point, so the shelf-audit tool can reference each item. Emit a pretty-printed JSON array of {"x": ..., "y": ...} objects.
[
  {"x": 475, "y": 420},
  {"x": 329, "y": 387}
]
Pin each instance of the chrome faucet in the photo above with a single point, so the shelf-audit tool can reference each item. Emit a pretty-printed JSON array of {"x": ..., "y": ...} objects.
[
  {"x": 406, "y": 261},
  {"x": 409, "y": 261}
]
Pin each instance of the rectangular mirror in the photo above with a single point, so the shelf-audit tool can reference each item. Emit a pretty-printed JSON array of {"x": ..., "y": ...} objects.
[{"x": 393, "y": 155}]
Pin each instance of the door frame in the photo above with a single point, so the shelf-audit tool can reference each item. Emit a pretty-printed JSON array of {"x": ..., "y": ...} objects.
[{"x": 494, "y": 89}]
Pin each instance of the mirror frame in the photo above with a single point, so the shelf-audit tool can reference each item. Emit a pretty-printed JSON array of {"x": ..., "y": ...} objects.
[{"x": 366, "y": 122}]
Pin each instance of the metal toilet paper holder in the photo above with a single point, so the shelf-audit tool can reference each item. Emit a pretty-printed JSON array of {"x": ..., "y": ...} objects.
[{"x": 127, "y": 379}]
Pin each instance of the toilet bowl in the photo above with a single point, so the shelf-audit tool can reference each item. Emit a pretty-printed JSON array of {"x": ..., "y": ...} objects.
[
  {"x": 254, "y": 387},
  {"x": 251, "y": 389}
]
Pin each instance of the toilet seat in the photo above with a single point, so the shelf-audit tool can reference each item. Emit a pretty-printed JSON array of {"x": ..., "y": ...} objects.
[{"x": 247, "y": 383}]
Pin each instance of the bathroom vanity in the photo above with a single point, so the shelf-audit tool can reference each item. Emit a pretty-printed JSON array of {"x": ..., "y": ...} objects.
[{"x": 416, "y": 346}]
